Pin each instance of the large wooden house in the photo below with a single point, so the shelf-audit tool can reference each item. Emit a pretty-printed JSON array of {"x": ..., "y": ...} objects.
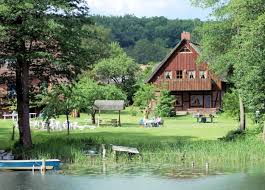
[{"x": 194, "y": 87}]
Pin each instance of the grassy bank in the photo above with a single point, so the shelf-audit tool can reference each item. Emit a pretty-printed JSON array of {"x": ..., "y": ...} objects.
[{"x": 181, "y": 140}]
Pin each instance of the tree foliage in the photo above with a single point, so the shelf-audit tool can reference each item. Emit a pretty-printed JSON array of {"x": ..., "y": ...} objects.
[
  {"x": 47, "y": 39},
  {"x": 143, "y": 97},
  {"x": 233, "y": 45},
  {"x": 165, "y": 106},
  {"x": 146, "y": 51},
  {"x": 146, "y": 39},
  {"x": 88, "y": 91},
  {"x": 61, "y": 99},
  {"x": 119, "y": 69},
  {"x": 231, "y": 104}
]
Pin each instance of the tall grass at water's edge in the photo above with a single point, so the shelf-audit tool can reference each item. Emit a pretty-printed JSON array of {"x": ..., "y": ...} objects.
[{"x": 244, "y": 151}]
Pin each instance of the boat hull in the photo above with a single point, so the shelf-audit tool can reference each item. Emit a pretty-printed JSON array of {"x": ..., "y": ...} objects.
[{"x": 28, "y": 164}]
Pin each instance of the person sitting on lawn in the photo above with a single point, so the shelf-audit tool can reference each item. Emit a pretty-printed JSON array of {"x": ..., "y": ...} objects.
[{"x": 158, "y": 121}]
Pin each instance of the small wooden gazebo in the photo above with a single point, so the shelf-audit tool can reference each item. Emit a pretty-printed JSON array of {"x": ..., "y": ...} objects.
[{"x": 109, "y": 105}]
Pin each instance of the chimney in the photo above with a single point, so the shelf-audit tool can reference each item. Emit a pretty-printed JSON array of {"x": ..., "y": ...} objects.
[{"x": 185, "y": 36}]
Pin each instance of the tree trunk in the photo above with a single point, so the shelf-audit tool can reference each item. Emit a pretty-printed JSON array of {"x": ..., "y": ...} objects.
[
  {"x": 93, "y": 117},
  {"x": 22, "y": 89},
  {"x": 146, "y": 112},
  {"x": 242, "y": 114},
  {"x": 68, "y": 123},
  {"x": 13, "y": 132},
  {"x": 48, "y": 125}
]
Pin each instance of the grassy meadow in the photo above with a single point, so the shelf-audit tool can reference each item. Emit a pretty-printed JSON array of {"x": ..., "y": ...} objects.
[{"x": 180, "y": 140}]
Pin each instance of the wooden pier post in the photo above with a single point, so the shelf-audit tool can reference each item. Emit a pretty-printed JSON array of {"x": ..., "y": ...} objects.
[
  {"x": 43, "y": 167},
  {"x": 193, "y": 165},
  {"x": 115, "y": 155},
  {"x": 33, "y": 169},
  {"x": 103, "y": 151},
  {"x": 207, "y": 167}
]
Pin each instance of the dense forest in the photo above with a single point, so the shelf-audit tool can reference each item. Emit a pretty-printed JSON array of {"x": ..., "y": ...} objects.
[{"x": 146, "y": 39}]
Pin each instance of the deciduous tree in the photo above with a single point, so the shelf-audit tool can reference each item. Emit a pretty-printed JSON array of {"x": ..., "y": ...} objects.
[
  {"x": 118, "y": 69},
  {"x": 233, "y": 45},
  {"x": 87, "y": 91},
  {"x": 143, "y": 98},
  {"x": 44, "y": 39}
]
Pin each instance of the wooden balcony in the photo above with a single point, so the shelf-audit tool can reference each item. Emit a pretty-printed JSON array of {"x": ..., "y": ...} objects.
[{"x": 185, "y": 84}]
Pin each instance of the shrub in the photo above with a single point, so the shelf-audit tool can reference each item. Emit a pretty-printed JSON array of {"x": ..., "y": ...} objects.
[
  {"x": 231, "y": 104},
  {"x": 233, "y": 135},
  {"x": 165, "y": 106}
]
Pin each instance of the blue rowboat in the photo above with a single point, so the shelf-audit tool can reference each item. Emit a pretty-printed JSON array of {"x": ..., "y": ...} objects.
[{"x": 29, "y": 164}]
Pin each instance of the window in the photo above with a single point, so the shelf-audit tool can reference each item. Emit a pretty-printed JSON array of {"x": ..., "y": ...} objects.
[
  {"x": 178, "y": 100},
  {"x": 191, "y": 74},
  {"x": 185, "y": 50},
  {"x": 168, "y": 75},
  {"x": 203, "y": 75},
  {"x": 196, "y": 101},
  {"x": 179, "y": 74}
]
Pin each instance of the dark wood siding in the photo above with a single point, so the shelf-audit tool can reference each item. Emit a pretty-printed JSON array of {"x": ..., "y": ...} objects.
[
  {"x": 184, "y": 84},
  {"x": 186, "y": 62},
  {"x": 210, "y": 89}
]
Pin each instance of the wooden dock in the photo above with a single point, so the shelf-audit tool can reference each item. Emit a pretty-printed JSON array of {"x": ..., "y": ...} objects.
[{"x": 125, "y": 149}]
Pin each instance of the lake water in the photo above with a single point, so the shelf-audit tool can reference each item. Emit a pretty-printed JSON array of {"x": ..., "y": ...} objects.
[{"x": 132, "y": 181}]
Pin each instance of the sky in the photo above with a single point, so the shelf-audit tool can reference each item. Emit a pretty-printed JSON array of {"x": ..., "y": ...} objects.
[{"x": 171, "y": 9}]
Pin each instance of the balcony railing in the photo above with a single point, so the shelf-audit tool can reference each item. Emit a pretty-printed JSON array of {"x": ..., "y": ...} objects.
[{"x": 185, "y": 84}]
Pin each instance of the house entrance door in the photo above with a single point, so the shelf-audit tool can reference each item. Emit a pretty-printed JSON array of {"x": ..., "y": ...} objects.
[{"x": 207, "y": 101}]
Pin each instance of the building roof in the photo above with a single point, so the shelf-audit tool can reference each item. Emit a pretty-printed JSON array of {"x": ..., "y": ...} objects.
[
  {"x": 194, "y": 45},
  {"x": 109, "y": 105}
]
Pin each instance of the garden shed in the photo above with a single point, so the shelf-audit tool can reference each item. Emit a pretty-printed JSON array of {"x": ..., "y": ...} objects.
[{"x": 109, "y": 105}]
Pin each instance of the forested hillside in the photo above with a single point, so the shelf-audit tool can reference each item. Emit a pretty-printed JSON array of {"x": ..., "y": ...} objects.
[{"x": 146, "y": 39}]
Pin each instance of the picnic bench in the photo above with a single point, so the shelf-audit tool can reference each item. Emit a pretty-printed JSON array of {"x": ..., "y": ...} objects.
[
  {"x": 204, "y": 118},
  {"x": 112, "y": 122}
]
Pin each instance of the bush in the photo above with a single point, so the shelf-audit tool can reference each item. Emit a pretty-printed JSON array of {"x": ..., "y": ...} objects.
[
  {"x": 165, "y": 106},
  {"x": 231, "y": 104},
  {"x": 233, "y": 135}
]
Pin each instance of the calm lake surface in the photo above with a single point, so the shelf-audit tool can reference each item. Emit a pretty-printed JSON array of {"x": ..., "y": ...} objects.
[{"x": 141, "y": 180}]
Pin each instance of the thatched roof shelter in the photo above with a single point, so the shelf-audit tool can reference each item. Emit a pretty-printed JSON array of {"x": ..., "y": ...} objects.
[{"x": 109, "y": 105}]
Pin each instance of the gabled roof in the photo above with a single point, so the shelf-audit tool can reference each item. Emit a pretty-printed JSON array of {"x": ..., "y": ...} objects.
[{"x": 165, "y": 60}]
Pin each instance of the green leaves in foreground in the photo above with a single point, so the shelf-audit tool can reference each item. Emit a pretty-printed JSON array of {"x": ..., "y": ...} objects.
[
  {"x": 233, "y": 45},
  {"x": 144, "y": 95},
  {"x": 165, "y": 106}
]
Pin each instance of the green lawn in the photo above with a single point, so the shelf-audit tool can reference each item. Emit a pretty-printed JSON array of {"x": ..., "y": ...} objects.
[
  {"x": 181, "y": 138},
  {"x": 178, "y": 127}
]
